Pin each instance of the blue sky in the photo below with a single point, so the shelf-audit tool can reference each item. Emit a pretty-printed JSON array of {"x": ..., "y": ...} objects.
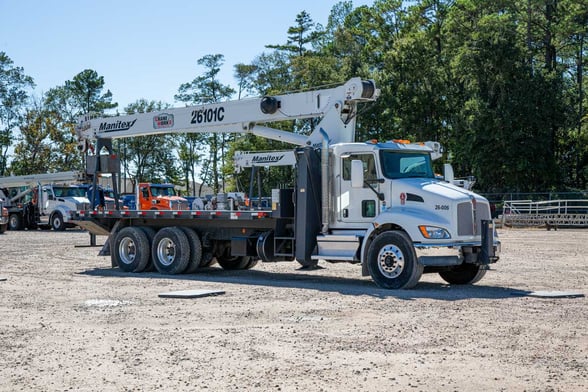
[{"x": 144, "y": 49}]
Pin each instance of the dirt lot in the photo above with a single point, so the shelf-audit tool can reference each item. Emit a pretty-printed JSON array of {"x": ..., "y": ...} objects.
[{"x": 70, "y": 322}]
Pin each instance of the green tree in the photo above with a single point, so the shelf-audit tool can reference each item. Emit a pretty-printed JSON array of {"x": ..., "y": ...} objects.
[
  {"x": 244, "y": 74},
  {"x": 13, "y": 99},
  {"x": 33, "y": 152},
  {"x": 300, "y": 36},
  {"x": 81, "y": 95},
  {"x": 85, "y": 91},
  {"x": 503, "y": 132}
]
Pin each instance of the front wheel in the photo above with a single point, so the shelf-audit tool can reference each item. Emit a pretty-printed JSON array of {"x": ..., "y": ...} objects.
[
  {"x": 57, "y": 222},
  {"x": 392, "y": 261},
  {"x": 464, "y": 274},
  {"x": 15, "y": 222}
]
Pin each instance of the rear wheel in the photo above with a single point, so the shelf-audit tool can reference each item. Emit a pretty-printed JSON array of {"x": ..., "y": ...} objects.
[
  {"x": 207, "y": 259},
  {"x": 252, "y": 263},
  {"x": 392, "y": 261},
  {"x": 170, "y": 251},
  {"x": 464, "y": 274},
  {"x": 234, "y": 262},
  {"x": 228, "y": 261},
  {"x": 150, "y": 232},
  {"x": 131, "y": 250},
  {"x": 195, "y": 250}
]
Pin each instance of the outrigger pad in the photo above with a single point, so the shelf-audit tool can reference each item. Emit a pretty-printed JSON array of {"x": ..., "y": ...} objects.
[
  {"x": 191, "y": 293},
  {"x": 548, "y": 294}
]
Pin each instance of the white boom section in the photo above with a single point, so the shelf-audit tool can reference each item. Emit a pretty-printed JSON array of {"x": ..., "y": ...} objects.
[
  {"x": 243, "y": 159},
  {"x": 33, "y": 179},
  {"x": 337, "y": 106}
]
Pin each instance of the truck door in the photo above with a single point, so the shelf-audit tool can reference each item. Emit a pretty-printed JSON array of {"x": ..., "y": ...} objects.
[
  {"x": 358, "y": 205},
  {"x": 46, "y": 199}
]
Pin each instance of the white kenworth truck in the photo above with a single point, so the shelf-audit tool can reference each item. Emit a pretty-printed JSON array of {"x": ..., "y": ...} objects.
[
  {"x": 43, "y": 200},
  {"x": 377, "y": 204}
]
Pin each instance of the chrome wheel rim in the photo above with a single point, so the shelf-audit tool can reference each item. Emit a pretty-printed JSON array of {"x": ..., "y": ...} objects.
[
  {"x": 166, "y": 251},
  {"x": 127, "y": 251},
  {"x": 391, "y": 261}
]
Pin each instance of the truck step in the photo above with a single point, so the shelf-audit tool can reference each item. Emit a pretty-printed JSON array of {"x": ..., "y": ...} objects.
[
  {"x": 284, "y": 246},
  {"x": 339, "y": 247}
]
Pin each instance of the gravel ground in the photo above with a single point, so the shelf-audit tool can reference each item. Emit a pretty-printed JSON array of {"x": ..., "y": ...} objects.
[{"x": 70, "y": 322}]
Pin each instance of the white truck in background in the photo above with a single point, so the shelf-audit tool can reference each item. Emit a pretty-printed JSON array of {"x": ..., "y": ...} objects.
[
  {"x": 376, "y": 204},
  {"x": 3, "y": 217},
  {"x": 43, "y": 200}
]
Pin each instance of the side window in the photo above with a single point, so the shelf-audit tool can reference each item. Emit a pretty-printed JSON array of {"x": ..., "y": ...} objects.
[
  {"x": 368, "y": 208},
  {"x": 369, "y": 166},
  {"x": 145, "y": 193}
]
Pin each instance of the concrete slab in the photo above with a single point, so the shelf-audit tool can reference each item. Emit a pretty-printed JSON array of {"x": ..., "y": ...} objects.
[
  {"x": 191, "y": 293},
  {"x": 548, "y": 294}
]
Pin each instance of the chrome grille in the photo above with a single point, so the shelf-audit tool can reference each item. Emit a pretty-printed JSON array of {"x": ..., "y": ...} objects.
[
  {"x": 465, "y": 218},
  {"x": 179, "y": 205}
]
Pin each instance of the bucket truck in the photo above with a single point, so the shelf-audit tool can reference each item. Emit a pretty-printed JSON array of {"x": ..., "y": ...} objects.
[{"x": 378, "y": 204}]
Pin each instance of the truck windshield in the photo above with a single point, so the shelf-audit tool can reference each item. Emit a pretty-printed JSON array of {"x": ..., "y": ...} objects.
[
  {"x": 62, "y": 191},
  {"x": 162, "y": 191},
  {"x": 403, "y": 164}
]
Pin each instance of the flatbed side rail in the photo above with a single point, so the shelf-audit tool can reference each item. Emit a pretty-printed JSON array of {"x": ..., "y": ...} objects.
[{"x": 173, "y": 214}]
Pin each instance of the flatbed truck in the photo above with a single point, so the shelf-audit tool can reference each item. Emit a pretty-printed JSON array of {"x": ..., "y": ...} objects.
[{"x": 376, "y": 204}]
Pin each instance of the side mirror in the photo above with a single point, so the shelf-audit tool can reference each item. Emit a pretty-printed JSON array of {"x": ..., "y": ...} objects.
[
  {"x": 448, "y": 172},
  {"x": 357, "y": 179}
]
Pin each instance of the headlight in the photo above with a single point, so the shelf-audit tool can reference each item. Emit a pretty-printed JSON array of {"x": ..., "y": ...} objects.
[{"x": 434, "y": 233}]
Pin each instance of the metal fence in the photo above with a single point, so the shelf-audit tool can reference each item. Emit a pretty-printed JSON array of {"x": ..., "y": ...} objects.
[{"x": 550, "y": 213}]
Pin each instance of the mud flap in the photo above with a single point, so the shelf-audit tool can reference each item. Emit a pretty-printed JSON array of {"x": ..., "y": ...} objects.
[{"x": 487, "y": 254}]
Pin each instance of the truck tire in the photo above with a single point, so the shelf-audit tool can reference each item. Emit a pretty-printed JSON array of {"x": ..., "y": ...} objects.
[
  {"x": 234, "y": 262},
  {"x": 15, "y": 222},
  {"x": 150, "y": 232},
  {"x": 252, "y": 263},
  {"x": 464, "y": 274},
  {"x": 57, "y": 222},
  {"x": 392, "y": 261},
  {"x": 207, "y": 259},
  {"x": 3, "y": 228},
  {"x": 170, "y": 251},
  {"x": 195, "y": 250},
  {"x": 131, "y": 250}
]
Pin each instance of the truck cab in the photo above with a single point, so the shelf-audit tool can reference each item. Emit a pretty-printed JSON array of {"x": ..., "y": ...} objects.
[
  {"x": 159, "y": 197},
  {"x": 380, "y": 188},
  {"x": 56, "y": 202},
  {"x": 398, "y": 178}
]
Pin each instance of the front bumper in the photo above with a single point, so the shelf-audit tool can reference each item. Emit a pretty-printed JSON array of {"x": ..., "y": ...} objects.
[{"x": 484, "y": 252}]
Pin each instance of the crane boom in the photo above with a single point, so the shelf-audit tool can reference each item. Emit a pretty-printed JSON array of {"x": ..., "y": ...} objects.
[
  {"x": 46, "y": 178},
  {"x": 336, "y": 105}
]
